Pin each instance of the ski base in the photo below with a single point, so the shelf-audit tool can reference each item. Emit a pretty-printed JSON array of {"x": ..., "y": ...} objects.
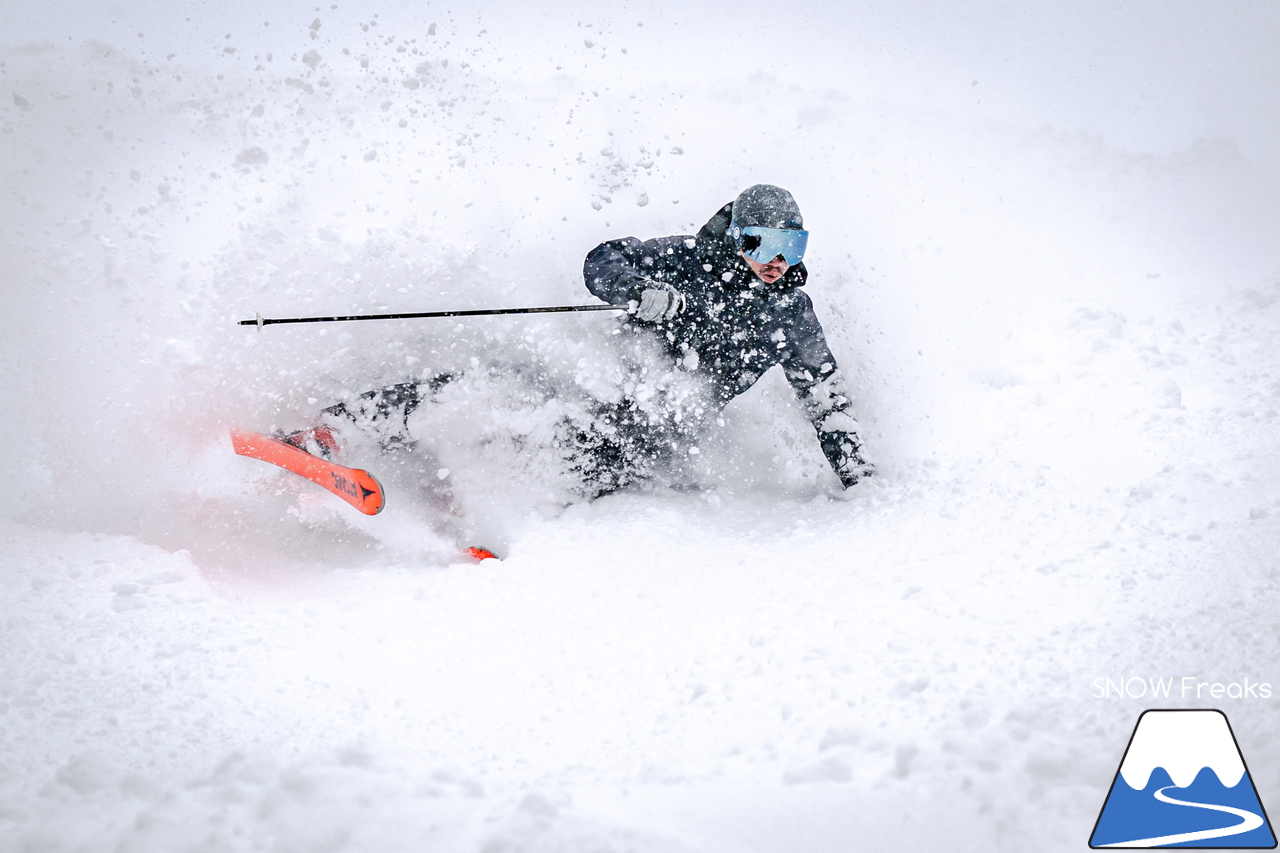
[{"x": 354, "y": 485}]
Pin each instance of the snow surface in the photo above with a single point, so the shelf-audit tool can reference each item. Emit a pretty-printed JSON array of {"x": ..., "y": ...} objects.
[{"x": 1043, "y": 250}]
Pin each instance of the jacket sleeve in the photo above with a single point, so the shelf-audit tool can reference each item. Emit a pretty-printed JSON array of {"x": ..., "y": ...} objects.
[
  {"x": 614, "y": 269},
  {"x": 815, "y": 377}
]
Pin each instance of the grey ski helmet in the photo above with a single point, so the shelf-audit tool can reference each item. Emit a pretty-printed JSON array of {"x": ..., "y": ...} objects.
[{"x": 767, "y": 206}]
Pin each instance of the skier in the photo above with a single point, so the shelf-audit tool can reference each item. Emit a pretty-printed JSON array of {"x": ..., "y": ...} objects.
[
  {"x": 724, "y": 306},
  {"x": 709, "y": 315}
]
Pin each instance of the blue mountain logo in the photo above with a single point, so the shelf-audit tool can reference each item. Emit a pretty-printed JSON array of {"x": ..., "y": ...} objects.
[{"x": 1183, "y": 783}]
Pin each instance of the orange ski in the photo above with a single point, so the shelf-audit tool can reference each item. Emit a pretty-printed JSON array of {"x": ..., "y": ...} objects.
[{"x": 356, "y": 487}]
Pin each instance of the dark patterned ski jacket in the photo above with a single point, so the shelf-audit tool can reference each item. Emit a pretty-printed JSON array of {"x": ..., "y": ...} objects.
[{"x": 734, "y": 326}]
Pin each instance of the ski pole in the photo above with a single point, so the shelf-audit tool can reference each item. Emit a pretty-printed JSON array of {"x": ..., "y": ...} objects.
[{"x": 261, "y": 321}]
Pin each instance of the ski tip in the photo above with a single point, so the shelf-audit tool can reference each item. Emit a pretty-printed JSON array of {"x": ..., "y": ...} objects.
[
  {"x": 478, "y": 554},
  {"x": 353, "y": 485}
]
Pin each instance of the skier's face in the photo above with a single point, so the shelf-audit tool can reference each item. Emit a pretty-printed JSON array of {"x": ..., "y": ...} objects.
[{"x": 770, "y": 272}]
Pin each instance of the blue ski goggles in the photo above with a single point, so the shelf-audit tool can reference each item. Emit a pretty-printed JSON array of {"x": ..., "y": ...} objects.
[{"x": 762, "y": 244}]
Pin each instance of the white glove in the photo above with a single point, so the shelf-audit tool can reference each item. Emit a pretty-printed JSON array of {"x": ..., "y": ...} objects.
[{"x": 659, "y": 301}]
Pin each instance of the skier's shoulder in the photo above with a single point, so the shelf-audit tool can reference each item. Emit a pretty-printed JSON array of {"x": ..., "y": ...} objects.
[
  {"x": 647, "y": 252},
  {"x": 689, "y": 252},
  {"x": 676, "y": 245}
]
